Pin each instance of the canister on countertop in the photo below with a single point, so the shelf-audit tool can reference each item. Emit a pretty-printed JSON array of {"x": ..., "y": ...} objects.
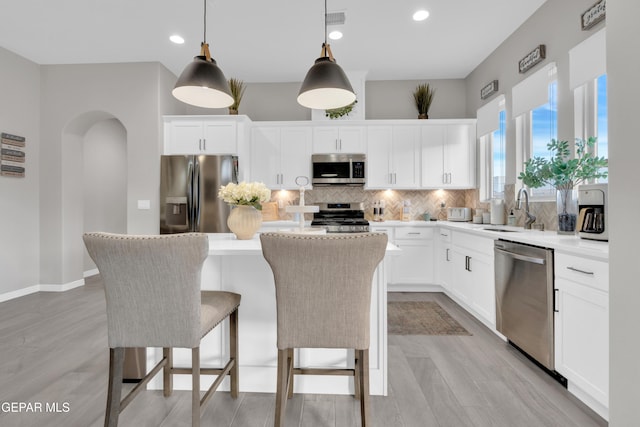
[{"x": 497, "y": 211}]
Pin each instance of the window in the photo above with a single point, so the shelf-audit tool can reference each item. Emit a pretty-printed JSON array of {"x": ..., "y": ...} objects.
[
  {"x": 544, "y": 128},
  {"x": 498, "y": 159},
  {"x": 588, "y": 80},
  {"x": 536, "y": 117},
  {"x": 491, "y": 127}
]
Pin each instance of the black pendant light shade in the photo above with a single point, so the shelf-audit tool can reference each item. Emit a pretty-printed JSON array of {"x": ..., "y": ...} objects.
[
  {"x": 203, "y": 84},
  {"x": 326, "y": 86}
]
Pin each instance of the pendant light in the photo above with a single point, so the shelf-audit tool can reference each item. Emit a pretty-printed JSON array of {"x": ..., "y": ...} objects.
[
  {"x": 326, "y": 86},
  {"x": 202, "y": 83}
]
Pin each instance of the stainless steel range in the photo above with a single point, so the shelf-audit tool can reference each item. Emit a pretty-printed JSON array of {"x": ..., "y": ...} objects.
[{"x": 341, "y": 217}]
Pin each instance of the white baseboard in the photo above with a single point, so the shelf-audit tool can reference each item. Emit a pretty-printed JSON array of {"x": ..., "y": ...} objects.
[
  {"x": 392, "y": 287},
  {"x": 89, "y": 273},
  {"x": 41, "y": 288}
]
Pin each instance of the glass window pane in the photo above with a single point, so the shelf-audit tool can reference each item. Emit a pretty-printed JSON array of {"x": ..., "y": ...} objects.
[
  {"x": 498, "y": 158},
  {"x": 601, "y": 114},
  {"x": 544, "y": 128}
]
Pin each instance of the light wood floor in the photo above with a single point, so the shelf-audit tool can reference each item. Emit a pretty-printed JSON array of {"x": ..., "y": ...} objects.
[{"x": 53, "y": 349}]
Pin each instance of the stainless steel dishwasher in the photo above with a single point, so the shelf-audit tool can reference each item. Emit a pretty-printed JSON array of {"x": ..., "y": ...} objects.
[{"x": 524, "y": 298}]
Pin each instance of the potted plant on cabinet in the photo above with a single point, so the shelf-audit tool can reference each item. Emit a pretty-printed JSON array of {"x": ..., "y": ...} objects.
[
  {"x": 564, "y": 173},
  {"x": 237, "y": 88},
  {"x": 423, "y": 96}
]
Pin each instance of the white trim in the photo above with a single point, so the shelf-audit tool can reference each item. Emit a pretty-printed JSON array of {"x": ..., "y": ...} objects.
[
  {"x": 90, "y": 273},
  {"x": 40, "y": 288}
]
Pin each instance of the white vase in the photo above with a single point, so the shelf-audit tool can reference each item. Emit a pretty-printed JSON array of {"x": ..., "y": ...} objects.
[{"x": 244, "y": 221}]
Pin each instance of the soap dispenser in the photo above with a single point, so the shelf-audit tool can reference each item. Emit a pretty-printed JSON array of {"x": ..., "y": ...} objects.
[{"x": 511, "y": 219}]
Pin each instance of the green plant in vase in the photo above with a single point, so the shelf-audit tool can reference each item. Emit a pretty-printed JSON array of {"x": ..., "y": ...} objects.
[{"x": 564, "y": 172}]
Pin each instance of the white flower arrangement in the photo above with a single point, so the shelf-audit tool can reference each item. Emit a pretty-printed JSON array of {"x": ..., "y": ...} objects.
[{"x": 245, "y": 193}]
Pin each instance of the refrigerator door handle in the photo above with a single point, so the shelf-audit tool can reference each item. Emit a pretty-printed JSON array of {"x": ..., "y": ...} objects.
[
  {"x": 190, "y": 195},
  {"x": 196, "y": 196}
]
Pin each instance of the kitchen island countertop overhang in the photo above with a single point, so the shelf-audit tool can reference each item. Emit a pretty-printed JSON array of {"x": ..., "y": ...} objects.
[{"x": 238, "y": 266}]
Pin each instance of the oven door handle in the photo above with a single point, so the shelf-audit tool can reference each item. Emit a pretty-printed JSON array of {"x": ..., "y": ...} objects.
[{"x": 525, "y": 258}]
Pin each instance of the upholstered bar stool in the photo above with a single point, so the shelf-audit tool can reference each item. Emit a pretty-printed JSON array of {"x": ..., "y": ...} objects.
[
  {"x": 323, "y": 299},
  {"x": 152, "y": 288}
]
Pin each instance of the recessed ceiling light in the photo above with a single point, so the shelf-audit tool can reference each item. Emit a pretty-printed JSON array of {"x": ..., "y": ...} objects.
[
  {"x": 421, "y": 15},
  {"x": 176, "y": 39},
  {"x": 335, "y": 35}
]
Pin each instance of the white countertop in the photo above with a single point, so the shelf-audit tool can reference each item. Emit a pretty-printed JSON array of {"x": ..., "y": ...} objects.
[
  {"x": 548, "y": 239},
  {"x": 228, "y": 244}
]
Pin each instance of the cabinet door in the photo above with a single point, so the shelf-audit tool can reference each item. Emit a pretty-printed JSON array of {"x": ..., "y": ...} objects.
[
  {"x": 404, "y": 157},
  {"x": 415, "y": 264},
  {"x": 220, "y": 138},
  {"x": 431, "y": 145},
  {"x": 338, "y": 139},
  {"x": 459, "y": 156},
  {"x": 185, "y": 137},
  {"x": 379, "y": 140},
  {"x": 351, "y": 139},
  {"x": 461, "y": 283},
  {"x": 582, "y": 338},
  {"x": 265, "y": 156},
  {"x": 482, "y": 293},
  {"x": 295, "y": 157}
]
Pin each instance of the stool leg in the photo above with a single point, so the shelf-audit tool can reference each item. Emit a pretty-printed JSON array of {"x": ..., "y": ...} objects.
[
  {"x": 364, "y": 386},
  {"x": 356, "y": 376},
  {"x": 167, "y": 376},
  {"x": 195, "y": 387},
  {"x": 290, "y": 374},
  {"x": 233, "y": 352},
  {"x": 281, "y": 388},
  {"x": 114, "y": 391}
]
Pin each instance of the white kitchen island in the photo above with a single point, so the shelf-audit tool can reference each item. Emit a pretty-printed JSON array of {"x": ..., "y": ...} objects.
[{"x": 238, "y": 266}]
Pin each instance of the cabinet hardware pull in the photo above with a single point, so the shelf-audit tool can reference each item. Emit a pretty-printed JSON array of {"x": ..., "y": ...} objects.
[
  {"x": 577, "y": 270},
  {"x": 414, "y": 232},
  {"x": 447, "y": 255},
  {"x": 204, "y": 144},
  {"x": 200, "y": 144},
  {"x": 555, "y": 301},
  {"x": 469, "y": 264}
]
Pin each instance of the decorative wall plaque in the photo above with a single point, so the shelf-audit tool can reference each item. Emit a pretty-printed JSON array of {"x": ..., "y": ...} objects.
[
  {"x": 489, "y": 89},
  {"x": 534, "y": 57},
  {"x": 12, "y": 155},
  {"x": 593, "y": 15}
]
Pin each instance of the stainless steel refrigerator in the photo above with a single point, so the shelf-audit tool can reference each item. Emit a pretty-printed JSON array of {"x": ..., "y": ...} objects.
[{"x": 189, "y": 193}]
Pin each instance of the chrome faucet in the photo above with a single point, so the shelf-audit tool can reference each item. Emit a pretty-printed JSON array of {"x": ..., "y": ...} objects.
[{"x": 530, "y": 218}]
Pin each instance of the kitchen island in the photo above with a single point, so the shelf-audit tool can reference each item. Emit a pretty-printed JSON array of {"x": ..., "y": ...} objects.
[{"x": 238, "y": 266}]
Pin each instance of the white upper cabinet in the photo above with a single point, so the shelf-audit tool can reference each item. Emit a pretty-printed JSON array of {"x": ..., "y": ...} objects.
[
  {"x": 280, "y": 154},
  {"x": 449, "y": 155},
  {"x": 392, "y": 156},
  {"x": 200, "y": 135},
  {"x": 338, "y": 139}
]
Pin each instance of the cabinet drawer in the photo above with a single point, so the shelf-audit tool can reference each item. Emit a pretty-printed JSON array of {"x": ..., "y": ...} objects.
[
  {"x": 483, "y": 245},
  {"x": 444, "y": 234},
  {"x": 377, "y": 229},
  {"x": 414, "y": 233},
  {"x": 583, "y": 270}
]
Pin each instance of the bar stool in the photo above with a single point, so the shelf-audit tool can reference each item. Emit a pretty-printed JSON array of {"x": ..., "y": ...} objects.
[
  {"x": 323, "y": 299},
  {"x": 152, "y": 288}
]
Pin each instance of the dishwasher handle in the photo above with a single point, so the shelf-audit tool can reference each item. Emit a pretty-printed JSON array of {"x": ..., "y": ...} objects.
[{"x": 520, "y": 257}]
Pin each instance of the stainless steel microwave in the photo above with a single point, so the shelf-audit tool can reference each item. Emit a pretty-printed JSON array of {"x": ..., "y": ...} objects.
[{"x": 338, "y": 169}]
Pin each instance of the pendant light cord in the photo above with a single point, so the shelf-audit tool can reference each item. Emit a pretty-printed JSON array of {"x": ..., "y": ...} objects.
[
  {"x": 205, "y": 21},
  {"x": 325, "y": 21}
]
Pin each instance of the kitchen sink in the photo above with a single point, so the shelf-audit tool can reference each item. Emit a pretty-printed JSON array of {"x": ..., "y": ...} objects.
[{"x": 502, "y": 230}]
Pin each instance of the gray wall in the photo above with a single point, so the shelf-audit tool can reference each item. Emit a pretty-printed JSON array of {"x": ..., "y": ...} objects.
[
  {"x": 623, "y": 64},
  {"x": 556, "y": 24},
  {"x": 104, "y": 161},
  {"x": 391, "y": 99},
  {"x": 75, "y": 97},
  {"x": 19, "y": 205}
]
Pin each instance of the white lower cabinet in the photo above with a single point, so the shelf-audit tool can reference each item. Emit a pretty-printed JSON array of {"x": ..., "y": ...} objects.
[
  {"x": 444, "y": 259},
  {"x": 473, "y": 280},
  {"x": 582, "y": 329}
]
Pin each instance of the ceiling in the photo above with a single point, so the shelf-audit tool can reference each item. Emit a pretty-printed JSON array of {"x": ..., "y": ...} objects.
[{"x": 266, "y": 41}]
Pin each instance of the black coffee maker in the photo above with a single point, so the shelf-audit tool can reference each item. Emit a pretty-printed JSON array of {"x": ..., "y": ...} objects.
[{"x": 592, "y": 208}]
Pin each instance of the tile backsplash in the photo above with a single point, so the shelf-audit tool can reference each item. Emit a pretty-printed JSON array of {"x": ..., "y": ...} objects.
[{"x": 421, "y": 201}]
